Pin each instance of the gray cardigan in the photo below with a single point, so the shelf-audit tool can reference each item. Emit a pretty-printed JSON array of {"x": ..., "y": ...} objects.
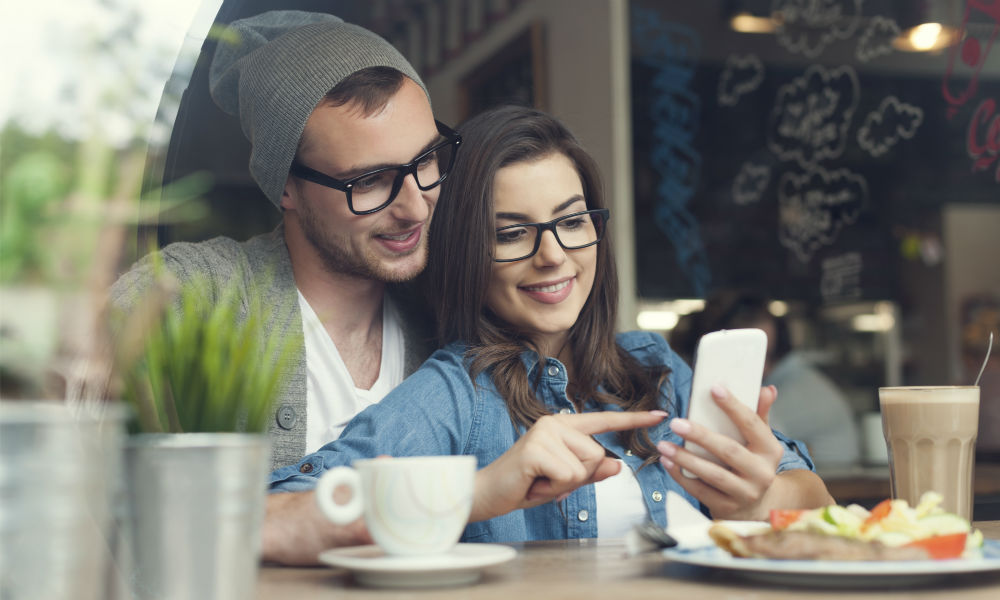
[{"x": 262, "y": 266}]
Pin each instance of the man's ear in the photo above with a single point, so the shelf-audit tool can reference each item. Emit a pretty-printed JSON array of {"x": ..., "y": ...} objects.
[{"x": 289, "y": 195}]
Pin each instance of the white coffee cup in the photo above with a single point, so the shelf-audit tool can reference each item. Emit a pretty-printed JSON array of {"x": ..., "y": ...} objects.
[{"x": 411, "y": 505}]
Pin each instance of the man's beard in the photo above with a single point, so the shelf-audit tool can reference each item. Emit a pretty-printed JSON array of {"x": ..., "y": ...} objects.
[{"x": 337, "y": 259}]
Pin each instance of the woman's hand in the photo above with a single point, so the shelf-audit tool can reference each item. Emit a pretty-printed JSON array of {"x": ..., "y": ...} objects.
[
  {"x": 745, "y": 486},
  {"x": 553, "y": 458}
]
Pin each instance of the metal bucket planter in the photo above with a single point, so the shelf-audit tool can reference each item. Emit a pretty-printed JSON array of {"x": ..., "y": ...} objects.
[
  {"x": 59, "y": 474},
  {"x": 195, "y": 502}
]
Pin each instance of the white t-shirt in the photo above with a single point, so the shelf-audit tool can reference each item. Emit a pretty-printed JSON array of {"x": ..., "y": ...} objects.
[
  {"x": 619, "y": 503},
  {"x": 331, "y": 397}
]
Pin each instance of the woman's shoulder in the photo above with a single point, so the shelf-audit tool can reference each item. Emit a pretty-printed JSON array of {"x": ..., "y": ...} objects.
[
  {"x": 644, "y": 344},
  {"x": 650, "y": 347},
  {"x": 449, "y": 362}
]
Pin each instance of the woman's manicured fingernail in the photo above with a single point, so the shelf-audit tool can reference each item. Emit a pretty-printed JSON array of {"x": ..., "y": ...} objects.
[
  {"x": 666, "y": 448},
  {"x": 681, "y": 426},
  {"x": 659, "y": 413},
  {"x": 666, "y": 462},
  {"x": 718, "y": 391}
]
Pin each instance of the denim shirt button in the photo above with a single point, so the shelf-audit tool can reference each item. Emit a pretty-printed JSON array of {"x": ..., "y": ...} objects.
[
  {"x": 306, "y": 468},
  {"x": 287, "y": 417},
  {"x": 583, "y": 515},
  {"x": 628, "y": 453},
  {"x": 553, "y": 370},
  {"x": 656, "y": 496},
  {"x": 565, "y": 411}
]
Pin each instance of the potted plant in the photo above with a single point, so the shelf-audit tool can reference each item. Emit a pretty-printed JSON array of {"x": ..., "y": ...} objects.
[
  {"x": 201, "y": 372},
  {"x": 67, "y": 206}
]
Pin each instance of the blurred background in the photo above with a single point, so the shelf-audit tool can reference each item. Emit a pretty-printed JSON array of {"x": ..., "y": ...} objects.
[{"x": 837, "y": 161}]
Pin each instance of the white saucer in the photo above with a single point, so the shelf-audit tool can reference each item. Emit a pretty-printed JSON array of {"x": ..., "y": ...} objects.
[{"x": 461, "y": 565}]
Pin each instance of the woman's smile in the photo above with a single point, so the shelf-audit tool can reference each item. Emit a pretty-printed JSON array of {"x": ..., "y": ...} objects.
[{"x": 550, "y": 292}]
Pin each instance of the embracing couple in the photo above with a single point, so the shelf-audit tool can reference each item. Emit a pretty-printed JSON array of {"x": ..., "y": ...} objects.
[{"x": 502, "y": 226}]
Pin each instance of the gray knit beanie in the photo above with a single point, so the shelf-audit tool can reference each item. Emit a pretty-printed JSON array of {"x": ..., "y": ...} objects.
[{"x": 272, "y": 69}]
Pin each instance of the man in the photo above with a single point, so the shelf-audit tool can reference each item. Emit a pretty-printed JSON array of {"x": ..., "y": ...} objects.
[{"x": 344, "y": 143}]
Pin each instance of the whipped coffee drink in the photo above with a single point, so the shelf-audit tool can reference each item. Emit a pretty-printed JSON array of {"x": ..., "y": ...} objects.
[{"x": 931, "y": 437}]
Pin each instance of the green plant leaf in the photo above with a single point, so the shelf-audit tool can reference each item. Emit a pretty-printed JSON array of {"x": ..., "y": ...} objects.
[{"x": 211, "y": 360}]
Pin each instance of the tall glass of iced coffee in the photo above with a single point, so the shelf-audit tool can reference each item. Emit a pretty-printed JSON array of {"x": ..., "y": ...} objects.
[{"x": 931, "y": 437}]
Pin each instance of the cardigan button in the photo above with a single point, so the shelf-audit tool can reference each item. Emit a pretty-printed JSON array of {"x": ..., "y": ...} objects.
[{"x": 287, "y": 417}]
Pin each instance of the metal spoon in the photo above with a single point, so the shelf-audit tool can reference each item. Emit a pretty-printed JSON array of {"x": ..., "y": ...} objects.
[{"x": 985, "y": 360}]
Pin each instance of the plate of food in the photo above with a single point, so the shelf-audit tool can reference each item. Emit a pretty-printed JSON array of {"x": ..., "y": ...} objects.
[{"x": 893, "y": 544}]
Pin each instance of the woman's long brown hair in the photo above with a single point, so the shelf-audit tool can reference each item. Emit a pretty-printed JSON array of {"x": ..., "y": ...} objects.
[{"x": 461, "y": 263}]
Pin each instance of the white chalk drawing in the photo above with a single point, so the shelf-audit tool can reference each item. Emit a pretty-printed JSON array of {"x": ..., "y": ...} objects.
[
  {"x": 883, "y": 127},
  {"x": 740, "y": 75},
  {"x": 814, "y": 205},
  {"x": 877, "y": 38},
  {"x": 841, "y": 278},
  {"x": 809, "y": 26},
  {"x": 750, "y": 183},
  {"x": 812, "y": 114}
]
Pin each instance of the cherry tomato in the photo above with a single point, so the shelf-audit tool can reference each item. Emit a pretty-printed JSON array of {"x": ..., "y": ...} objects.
[
  {"x": 782, "y": 518},
  {"x": 942, "y": 546},
  {"x": 878, "y": 513}
]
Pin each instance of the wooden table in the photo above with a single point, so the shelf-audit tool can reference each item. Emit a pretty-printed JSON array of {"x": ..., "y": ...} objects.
[{"x": 584, "y": 569}]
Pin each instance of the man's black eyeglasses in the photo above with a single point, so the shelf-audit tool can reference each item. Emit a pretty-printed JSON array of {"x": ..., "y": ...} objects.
[
  {"x": 371, "y": 192},
  {"x": 573, "y": 231}
]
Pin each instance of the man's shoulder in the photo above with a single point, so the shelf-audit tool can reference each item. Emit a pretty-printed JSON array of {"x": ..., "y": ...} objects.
[
  {"x": 213, "y": 262},
  {"x": 222, "y": 251}
]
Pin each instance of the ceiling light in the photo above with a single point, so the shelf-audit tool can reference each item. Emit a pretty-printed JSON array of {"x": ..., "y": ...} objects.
[
  {"x": 873, "y": 322},
  {"x": 778, "y": 308},
  {"x": 746, "y": 23},
  {"x": 657, "y": 320},
  {"x": 925, "y": 37}
]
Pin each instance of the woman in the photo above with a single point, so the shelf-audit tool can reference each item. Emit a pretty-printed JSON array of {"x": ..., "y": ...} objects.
[{"x": 532, "y": 379}]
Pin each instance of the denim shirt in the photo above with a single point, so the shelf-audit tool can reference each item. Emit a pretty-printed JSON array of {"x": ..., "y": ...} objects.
[{"x": 440, "y": 410}]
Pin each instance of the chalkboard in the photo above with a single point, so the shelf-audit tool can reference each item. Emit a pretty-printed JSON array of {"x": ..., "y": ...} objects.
[{"x": 806, "y": 162}]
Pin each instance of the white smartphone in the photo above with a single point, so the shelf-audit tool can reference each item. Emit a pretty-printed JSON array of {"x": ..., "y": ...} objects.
[{"x": 734, "y": 359}]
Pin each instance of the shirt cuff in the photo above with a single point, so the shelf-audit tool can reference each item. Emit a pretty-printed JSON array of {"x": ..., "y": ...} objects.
[
  {"x": 796, "y": 455},
  {"x": 289, "y": 479}
]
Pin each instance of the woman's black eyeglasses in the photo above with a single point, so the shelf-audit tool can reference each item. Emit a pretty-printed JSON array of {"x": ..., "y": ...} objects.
[
  {"x": 573, "y": 231},
  {"x": 371, "y": 192}
]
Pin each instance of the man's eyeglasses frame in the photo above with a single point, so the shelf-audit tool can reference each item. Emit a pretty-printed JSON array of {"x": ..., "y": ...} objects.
[{"x": 452, "y": 138}]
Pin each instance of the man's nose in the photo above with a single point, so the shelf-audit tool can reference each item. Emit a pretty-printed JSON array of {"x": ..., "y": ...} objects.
[{"x": 410, "y": 203}]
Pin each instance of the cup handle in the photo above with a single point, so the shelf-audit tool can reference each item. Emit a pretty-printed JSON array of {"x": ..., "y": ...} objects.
[{"x": 341, "y": 514}]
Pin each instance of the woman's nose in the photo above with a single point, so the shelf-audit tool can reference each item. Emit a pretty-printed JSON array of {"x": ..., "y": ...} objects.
[{"x": 550, "y": 252}]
